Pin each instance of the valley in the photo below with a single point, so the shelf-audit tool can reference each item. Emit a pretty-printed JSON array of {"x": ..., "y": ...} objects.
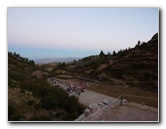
[{"x": 52, "y": 91}]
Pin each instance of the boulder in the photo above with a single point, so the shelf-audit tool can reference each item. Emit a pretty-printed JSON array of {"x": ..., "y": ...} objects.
[
  {"x": 86, "y": 112},
  {"x": 101, "y": 105},
  {"x": 94, "y": 106},
  {"x": 106, "y": 102},
  {"x": 125, "y": 101}
]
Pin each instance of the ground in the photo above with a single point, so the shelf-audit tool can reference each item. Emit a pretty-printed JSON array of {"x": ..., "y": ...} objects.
[
  {"x": 114, "y": 112},
  {"x": 127, "y": 112}
]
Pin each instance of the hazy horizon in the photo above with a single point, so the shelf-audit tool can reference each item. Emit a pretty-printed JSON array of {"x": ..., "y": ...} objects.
[{"x": 78, "y": 32}]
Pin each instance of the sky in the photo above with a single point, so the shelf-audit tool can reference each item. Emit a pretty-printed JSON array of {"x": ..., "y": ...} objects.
[{"x": 78, "y": 32}]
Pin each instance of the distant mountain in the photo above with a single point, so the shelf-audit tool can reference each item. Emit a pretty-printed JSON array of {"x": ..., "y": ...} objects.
[{"x": 50, "y": 60}]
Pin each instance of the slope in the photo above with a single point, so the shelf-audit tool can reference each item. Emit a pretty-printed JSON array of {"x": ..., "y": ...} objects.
[
  {"x": 136, "y": 67},
  {"x": 33, "y": 99}
]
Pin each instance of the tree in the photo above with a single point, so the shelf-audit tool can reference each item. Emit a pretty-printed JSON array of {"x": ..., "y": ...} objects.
[
  {"x": 101, "y": 53},
  {"x": 109, "y": 53},
  {"x": 139, "y": 43},
  {"x": 62, "y": 65},
  {"x": 114, "y": 53},
  {"x": 31, "y": 62}
]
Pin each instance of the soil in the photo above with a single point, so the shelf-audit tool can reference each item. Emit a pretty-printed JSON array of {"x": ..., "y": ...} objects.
[
  {"x": 126, "y": 113},
  {"x": 39, "y": 73}
]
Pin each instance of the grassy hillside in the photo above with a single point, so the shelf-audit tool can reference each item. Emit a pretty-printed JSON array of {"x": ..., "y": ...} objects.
[
  {"x": 136, "y": 67},
  {"x": 31, "y": 98}
]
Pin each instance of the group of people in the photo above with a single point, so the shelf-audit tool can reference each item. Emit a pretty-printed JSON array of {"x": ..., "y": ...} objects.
[{"x": 77, "y": 87}]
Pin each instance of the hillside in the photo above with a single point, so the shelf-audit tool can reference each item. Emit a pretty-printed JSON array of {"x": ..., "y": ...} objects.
[
  {"x": 132, "y": 72},
  {"x": 32, "y": 98},
  {"x": 136, "y": 67},
  {"x": 50, "y": 60}
]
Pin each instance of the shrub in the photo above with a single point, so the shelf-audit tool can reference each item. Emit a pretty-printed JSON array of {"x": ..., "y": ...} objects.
[
  {"x": 11, "y": 111},
  {"x": 50, "y": 102},
  {"x": 37, "y": 106},
  {"x": 40, "y": 118},
  {"x": 31, "y": 102}
]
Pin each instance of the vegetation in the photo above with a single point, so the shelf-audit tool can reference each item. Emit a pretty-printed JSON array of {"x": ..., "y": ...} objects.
[
  {"x": 129, "y": 93},
  {"x": 35, "y": 95},
  {"x": 136, "y": 67},
  {"x": 33, "y": 99}
]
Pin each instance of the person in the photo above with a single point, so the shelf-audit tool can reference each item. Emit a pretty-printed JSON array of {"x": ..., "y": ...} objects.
[
  {"x": 78, "y": 93},
  {"x": 69, "y": 89}
]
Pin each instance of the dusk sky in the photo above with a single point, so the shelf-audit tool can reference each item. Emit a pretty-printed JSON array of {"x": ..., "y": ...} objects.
[{"x": 78, "y": 32}]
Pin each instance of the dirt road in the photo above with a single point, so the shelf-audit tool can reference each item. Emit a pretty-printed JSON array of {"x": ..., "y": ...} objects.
[
  {"x": 126, "y": 112},
  {"x": 87, "y": 97}
]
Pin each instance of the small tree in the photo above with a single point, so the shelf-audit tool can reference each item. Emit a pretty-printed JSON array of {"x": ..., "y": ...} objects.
[
  {"x": 114, "y": 53},
  {"x": 109, "y": 53},
  {"x": 139, "y": 42},
  {"x": 101, "y": 53}
]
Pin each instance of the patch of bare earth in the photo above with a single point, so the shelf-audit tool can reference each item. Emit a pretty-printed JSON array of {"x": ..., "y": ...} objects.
[
  {"x": 126, "y": 112},
  {"x": 39, "y": 74}
]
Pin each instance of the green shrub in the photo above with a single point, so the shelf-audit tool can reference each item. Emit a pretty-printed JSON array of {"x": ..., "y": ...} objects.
[
  {"x": 40, "y": 118},
  {"x": 37, "y": 106},
  {"x": 30, "y": 102},
  {"x": 61, "y": 115},
  {"x": 50, "y": 102},
  {"x": 11, "y": 111}
]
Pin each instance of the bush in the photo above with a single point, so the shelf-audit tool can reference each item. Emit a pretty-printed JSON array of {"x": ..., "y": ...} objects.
[
  {"x": 10, "y": 112},
  {"x": 61, "y": 115},
  {"x": 71, "y": 117},
  {"x": 40, "y": 118},
  {"x": 31, "y": 102},
  {"x": 37, "y": 106},
  {"x": 50, "y": 102}
]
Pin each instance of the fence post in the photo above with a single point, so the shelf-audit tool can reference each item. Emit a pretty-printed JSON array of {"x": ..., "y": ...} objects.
[{"x": 121, "y": 100}]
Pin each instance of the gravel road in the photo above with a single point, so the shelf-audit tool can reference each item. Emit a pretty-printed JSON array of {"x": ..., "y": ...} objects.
[{"x": 87, "y": 97}]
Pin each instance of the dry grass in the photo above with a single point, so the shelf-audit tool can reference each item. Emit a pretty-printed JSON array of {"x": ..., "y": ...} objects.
[{"x": 130, "y": 94}]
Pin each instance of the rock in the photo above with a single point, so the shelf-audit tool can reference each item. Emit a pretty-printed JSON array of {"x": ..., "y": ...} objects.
[
  {"x": 125, "y": 101},
  {"x": 106, "y": 102},
  {"x": 86, "y": 112},
  {"x": 101, "y": 105},
  {"x": 94, "y": 106},
  {"x": 80, "y": 118}
]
